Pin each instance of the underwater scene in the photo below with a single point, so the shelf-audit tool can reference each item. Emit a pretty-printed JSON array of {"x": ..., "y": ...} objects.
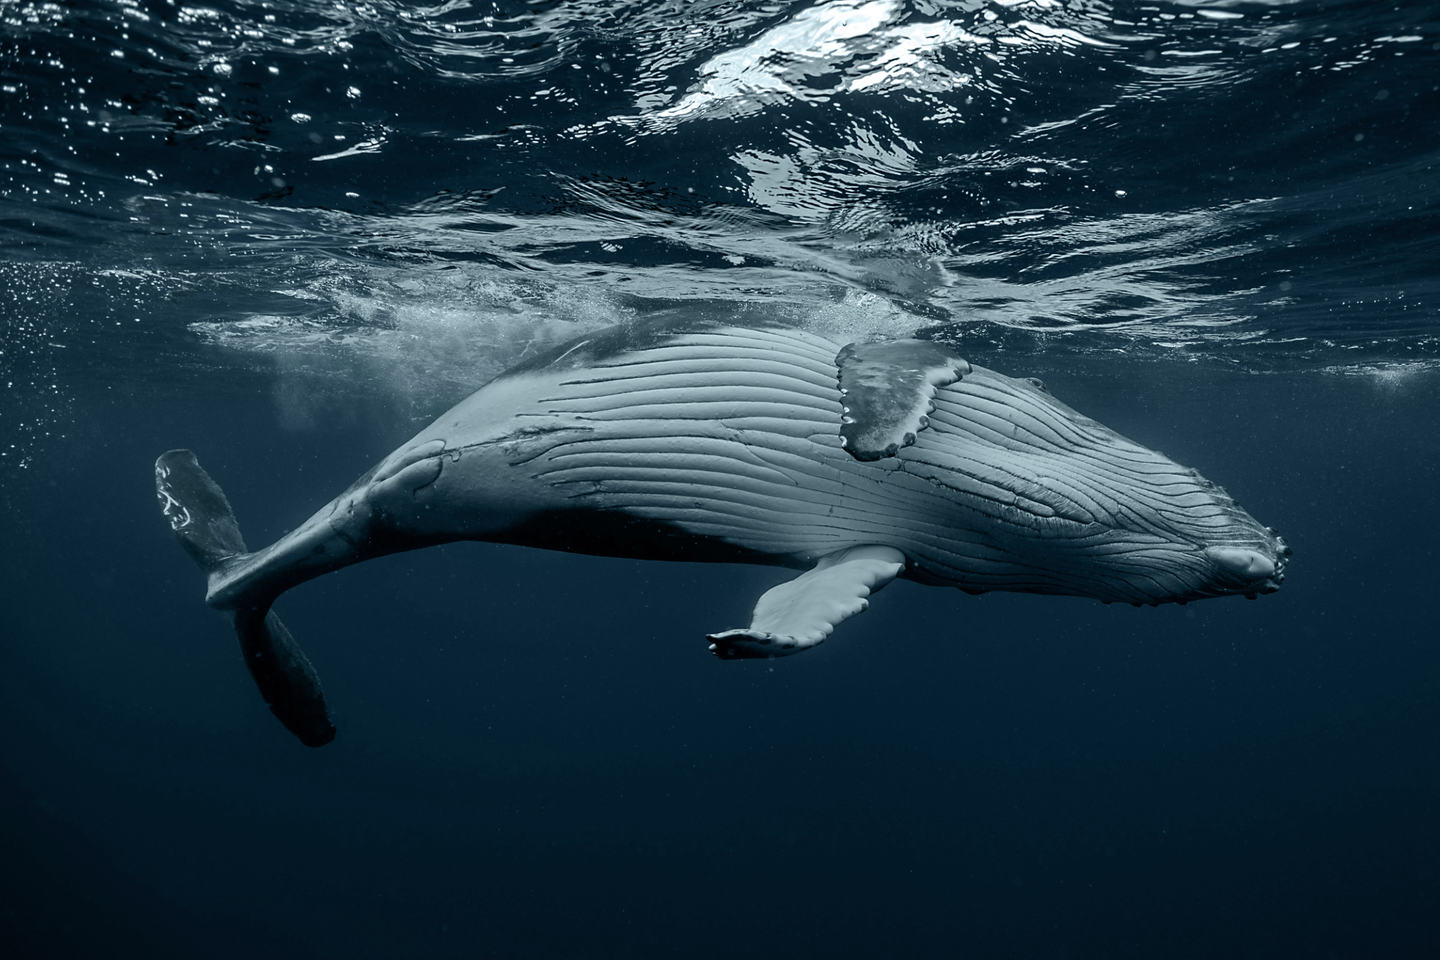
[{"x": 772, "y": 303}]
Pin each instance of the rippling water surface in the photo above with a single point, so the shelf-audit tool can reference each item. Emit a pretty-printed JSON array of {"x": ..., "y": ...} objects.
[{"x": 433, "y": 191}]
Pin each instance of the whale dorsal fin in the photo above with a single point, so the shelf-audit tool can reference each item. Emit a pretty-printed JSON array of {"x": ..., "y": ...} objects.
[
  {"x": 800, "y": 613},
  {"x": 888, "y": 390}
]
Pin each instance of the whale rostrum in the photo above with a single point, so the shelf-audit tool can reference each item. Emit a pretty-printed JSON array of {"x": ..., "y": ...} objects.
[{"x": 855, "y": 464}]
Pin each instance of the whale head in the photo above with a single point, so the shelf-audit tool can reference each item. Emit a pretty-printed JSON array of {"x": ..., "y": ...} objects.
[
  {"x": 1252, "y": 569},
  {"x": 1174, "y": 536},
  {"x": 1075, "y": 508}
]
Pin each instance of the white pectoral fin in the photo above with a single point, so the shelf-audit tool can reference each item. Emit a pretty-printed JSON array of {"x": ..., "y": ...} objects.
[{"x": 800, "y": 613}]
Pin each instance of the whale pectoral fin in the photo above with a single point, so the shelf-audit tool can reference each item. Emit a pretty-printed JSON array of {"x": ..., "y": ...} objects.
[
  {"x": 800, "y": 613},
  {"x": 887, "y": 391}
]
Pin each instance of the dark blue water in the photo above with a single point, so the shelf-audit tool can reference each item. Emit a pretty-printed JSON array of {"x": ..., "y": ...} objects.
[{"x": 285, "y": 234}]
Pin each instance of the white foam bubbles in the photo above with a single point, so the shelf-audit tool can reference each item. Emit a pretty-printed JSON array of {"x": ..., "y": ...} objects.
[{"x": 420, "y": 338}]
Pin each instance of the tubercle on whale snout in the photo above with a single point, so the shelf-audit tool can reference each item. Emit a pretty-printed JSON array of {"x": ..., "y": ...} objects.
[
  {"x": 1251, "y": 570},
  {"x": 1283, "y": 553},
  {"x": 1242, "y": 562}
]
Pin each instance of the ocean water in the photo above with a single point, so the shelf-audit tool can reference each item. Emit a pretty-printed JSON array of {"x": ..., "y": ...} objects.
[{"x": 287, "y": 234}]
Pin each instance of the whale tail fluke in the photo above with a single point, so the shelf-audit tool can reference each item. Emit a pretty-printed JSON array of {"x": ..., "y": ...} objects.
[
  {"x": 205, "y": 525},
  {"x": 287, "y": 681}
]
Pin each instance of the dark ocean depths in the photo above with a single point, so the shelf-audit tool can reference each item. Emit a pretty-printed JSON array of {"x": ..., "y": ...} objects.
[{"x": 286, "y": 234}]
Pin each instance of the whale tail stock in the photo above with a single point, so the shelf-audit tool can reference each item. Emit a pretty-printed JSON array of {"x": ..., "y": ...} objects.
[{"x": 205, "y": 525}]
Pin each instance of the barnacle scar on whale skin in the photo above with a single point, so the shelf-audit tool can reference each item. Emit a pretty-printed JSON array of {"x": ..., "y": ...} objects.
[{"x": 853, "y": 463}]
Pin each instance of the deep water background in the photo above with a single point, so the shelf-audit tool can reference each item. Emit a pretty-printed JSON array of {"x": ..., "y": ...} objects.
[
  {"x": 1212, "y": 227},
  {"x": 537, "y": 757}
]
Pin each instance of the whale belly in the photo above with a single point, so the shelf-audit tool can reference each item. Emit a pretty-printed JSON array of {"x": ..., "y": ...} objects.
[
  {"x": 734, "y": 436},
  {"x": 726, "y": 444}
]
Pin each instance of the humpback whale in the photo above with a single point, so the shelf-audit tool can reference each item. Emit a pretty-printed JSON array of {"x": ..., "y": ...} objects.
[{"x": 854, "y": 463}]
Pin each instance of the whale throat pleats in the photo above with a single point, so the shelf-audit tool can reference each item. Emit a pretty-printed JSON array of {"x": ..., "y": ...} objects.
[
  {"x": 736, "y": 435},
  {"x": 740, "y": 436}
]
